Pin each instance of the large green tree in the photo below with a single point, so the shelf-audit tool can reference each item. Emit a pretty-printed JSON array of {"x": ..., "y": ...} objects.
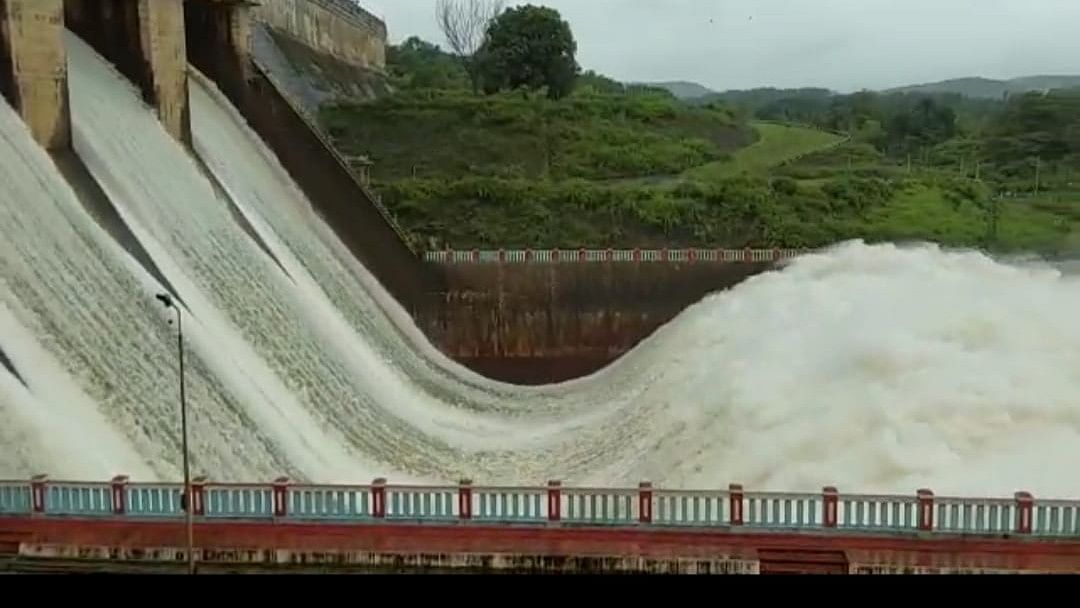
[{"x": 529, "y": 47}]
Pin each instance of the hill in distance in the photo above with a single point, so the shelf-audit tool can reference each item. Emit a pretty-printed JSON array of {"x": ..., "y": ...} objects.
[
  {"x": 977, "y": 88},
  {"x": 682, "y": 90},
  {"x": 986, "y": 88}
]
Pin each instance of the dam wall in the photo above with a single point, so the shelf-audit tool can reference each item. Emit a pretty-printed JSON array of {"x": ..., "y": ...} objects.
[
  {"x": 338, "y": 28},
  {"x": 33, "y": 68},
  {"x": 546, "y": 321}
]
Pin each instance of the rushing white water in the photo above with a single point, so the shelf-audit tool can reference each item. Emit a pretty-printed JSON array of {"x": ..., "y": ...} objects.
[{"x": 875, "y": 368}]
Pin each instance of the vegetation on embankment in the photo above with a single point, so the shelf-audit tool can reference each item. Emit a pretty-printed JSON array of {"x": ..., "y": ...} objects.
[{"x": 615, "y": 166}]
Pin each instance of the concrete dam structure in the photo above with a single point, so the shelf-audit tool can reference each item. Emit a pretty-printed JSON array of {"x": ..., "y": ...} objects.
[
  {"x": 145, "y": 151},
  {"x": 541, "y": 324}
]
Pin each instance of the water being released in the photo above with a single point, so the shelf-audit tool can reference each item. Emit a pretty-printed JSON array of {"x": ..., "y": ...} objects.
[{"x": 875, "y": 368}]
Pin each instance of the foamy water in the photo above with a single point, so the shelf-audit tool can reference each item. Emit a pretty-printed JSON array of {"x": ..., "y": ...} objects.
[{"x": 873, "y": 368}]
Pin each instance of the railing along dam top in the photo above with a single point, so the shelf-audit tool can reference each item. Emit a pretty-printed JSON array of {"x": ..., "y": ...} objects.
[
  {"x": 379, "y": 502},
  {"x": 553, "y": 256}
]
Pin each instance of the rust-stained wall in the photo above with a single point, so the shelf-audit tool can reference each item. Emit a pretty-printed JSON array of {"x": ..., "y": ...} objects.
[
  {"x": 215, "y": 50},
  {"x": 145, "y": 40},
  {"x": 339, "y": 28},
  {"x": 539, "y": 323},
  {"x": 33, "y": 68}
]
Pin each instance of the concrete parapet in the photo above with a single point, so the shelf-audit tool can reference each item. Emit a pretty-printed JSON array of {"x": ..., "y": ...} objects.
[{"x": 338, "y": 28}]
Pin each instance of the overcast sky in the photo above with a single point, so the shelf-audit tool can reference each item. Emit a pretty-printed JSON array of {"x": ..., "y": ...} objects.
[{"x": 840, "y": 44}]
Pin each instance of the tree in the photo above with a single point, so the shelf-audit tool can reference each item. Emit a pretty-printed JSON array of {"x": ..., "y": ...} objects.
[
  {"x": 465, "y": 23},
  {"x": 416, "y": 64},
  {"x": 529, "y": 47}
]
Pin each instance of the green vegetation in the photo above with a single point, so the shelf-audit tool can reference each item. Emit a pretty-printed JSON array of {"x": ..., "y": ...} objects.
[
  {"x": 604, "y": 164},
  {"x": 528, "y": 47},
  {"x": 777, "y": 144},
  {"x": 451, "y": 136}
]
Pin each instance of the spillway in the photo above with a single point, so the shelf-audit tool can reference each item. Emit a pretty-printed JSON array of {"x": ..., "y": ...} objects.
[{"x": 875, "y": 368}]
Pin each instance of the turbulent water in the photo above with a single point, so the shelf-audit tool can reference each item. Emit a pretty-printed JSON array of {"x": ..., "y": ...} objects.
[{"x": 874, "y": 368}]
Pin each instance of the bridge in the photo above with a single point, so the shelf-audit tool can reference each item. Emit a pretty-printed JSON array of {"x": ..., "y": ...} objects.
[{"x": 551, "y": 528}]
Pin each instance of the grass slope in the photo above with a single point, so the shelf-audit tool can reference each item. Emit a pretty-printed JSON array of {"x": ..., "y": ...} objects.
[
  {"x": 454, "y": 136},
  {"x": 777, "y": 144}
]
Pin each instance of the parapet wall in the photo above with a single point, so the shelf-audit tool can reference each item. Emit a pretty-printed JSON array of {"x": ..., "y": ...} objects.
[{"x": 339, "y": 28}]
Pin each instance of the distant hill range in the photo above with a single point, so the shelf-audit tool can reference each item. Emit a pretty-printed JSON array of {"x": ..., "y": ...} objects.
[
  {"x": 682, "y": 90},
  {"x": 978, "y": 88},
  {"x": 993, "y": 89}
]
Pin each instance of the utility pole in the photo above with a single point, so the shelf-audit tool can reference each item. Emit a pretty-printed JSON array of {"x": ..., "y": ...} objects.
[
  {"x": 188, "y": 507},
  {"x": 1038, "y": 166}
]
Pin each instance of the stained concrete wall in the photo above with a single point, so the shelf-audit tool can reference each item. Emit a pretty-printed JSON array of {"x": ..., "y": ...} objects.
[
  {"x": 163, "y": 45},
  {"x": 540, "y": 323},
  {"x": 33, "y": 68},
  {"x": 339, "y": 28},
  {"x": 145, "y": 40}
]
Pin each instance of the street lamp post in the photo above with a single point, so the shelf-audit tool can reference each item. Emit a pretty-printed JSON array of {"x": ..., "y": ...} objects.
[{"x": 188, "y": 506}]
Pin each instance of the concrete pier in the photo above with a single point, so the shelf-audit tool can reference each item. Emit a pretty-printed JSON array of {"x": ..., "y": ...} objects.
[
  {"x": 33, "y": 68},
  {"x": 145, "y": 40},
  {"x": 164, "y": 49}
]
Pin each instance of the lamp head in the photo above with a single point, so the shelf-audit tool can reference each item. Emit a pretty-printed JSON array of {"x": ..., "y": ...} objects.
[{"x": 165, "y": 299}]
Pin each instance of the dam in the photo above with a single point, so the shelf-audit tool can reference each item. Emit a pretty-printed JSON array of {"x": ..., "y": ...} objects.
[{"x": 138, "y": 159}]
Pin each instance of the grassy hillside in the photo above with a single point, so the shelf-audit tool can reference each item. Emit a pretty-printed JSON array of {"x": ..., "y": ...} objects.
[
  {"x": 456, "y": 135},
  {"x": 633, "y": 166},
  {"x": 777, "y": 144}
]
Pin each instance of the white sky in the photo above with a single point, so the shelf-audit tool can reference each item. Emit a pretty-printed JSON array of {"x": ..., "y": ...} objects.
[{"x": 839, "y": 44}]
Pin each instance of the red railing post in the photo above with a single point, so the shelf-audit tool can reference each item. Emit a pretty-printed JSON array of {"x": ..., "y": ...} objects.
[
  {"x": 776, "y": 254},
  {"x": 664, "y": 255},
  {"x": 735, "y": 502},
  {"x": 119, "y": 494},
  {"x": 609, "y": 255},
  {"x": 637, "y": 254},
  {"x": 645, "y": 502},
  {"x": 528, "y": 255},
  {"x": 281, "y": 494},
  {"x": 37, "y": 493},
  {"x": 378, "y": 498},
  {"x": 476, "y": 256},
  {"x": 502, "y": 256},
  {"x": 554, "y": 255},
  {"x": 465, "y": 499},
  {"x": 1025, "y": 512},
  {"x": 926, "y": 510},
  {"x": 198, "y": 496},
  {"x": 691, "y": 255},
  {"x": 554, "y": 496},
  {"x": 830, "y": 504},
  {"x": 582, "y": 256},
  {"x": 748, "y": 255}
]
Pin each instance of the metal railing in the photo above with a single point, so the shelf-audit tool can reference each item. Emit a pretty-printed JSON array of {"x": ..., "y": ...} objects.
[
  {"x": 731, "y": 509},
  {"x": 557, "y": 256}
]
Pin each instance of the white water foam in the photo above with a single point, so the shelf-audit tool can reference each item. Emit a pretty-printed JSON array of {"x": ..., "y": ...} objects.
[{"x": 874, "y": 368}]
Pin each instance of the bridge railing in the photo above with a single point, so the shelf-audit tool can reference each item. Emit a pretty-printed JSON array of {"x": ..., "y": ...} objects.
[
  {"x": 567, "y": 256},
  {"x": 553, "y": 504}
]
